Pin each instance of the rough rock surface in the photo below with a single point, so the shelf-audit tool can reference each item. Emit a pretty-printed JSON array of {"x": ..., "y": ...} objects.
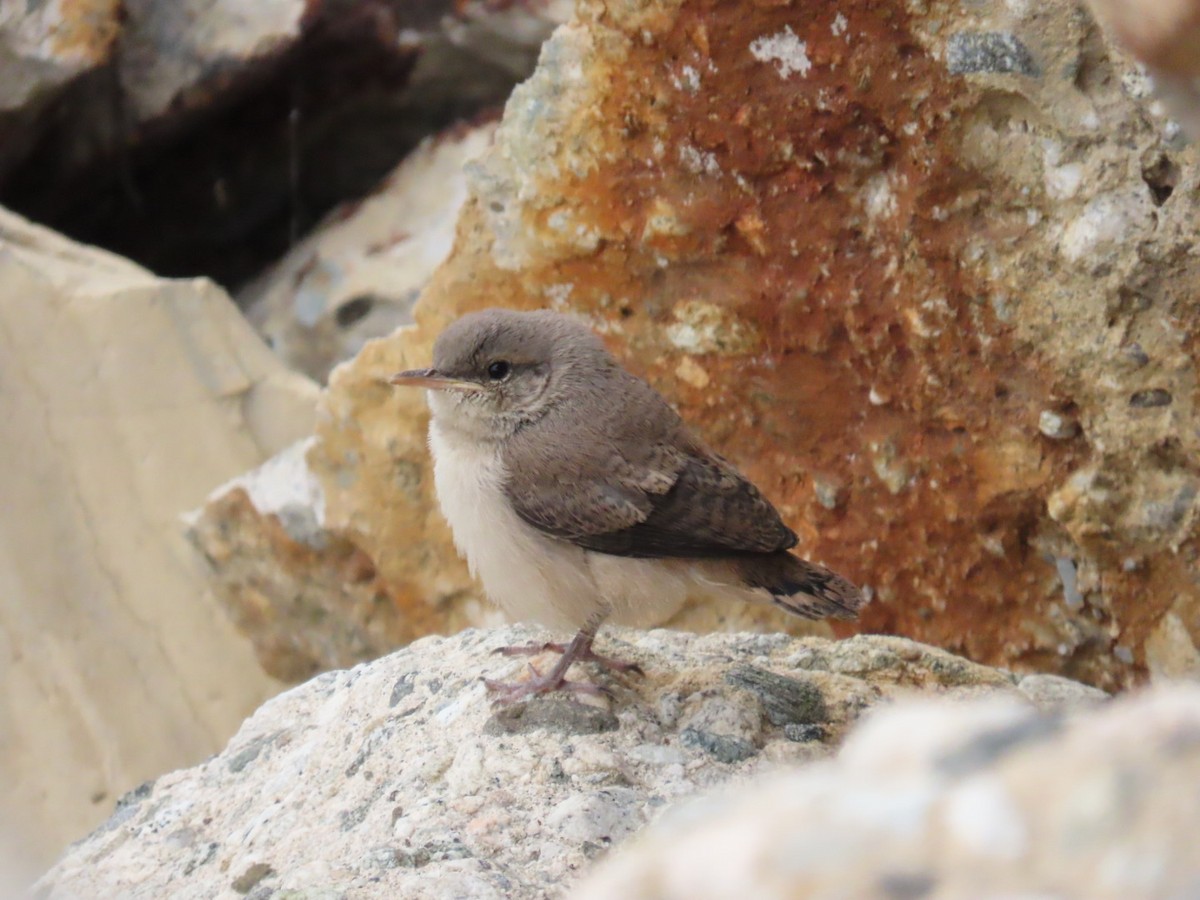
[
  {"x": 1163, "y": 33},
  {"x": 359, "y": 274},
  {"x": 124, "y": 399},
  {"x": 926, "y": 271},
  {"x": 43, "y": 47},
  {"x": 220, "y": 131},
  {"x": 398, "y": 779},
  {"x": 941, "y": 801},
  {"x": 307, "y": 599}
]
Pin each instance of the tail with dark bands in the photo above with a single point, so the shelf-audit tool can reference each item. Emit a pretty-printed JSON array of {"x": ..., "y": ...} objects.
[{"x": 801, "y": 587}]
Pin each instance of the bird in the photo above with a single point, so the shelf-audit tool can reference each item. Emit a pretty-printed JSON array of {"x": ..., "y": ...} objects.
[{"x": 578, "y": 496}]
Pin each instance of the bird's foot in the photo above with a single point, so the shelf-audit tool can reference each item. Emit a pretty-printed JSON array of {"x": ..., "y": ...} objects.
[
  {"x": 505, "y": 692},
  {"x": 584, "y": 655}
]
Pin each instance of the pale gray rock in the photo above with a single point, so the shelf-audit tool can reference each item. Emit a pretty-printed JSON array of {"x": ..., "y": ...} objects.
[
  {"x": 125, "y": 398},
  {"x": 43, "y": 46},
  {"x": 948, "y": 800},
  {"x": 399, "y": 779},
  {"x": 357, "y": 276},
  {"x": 169, "y": 49}
]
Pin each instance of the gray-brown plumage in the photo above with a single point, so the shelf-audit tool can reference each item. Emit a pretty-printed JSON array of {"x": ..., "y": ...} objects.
[{"x": 578, "y": 494}]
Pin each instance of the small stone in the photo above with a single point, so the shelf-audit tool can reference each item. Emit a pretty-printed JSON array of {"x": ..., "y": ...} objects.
[
  {"x": 552, "y": 712},
  {"x": 1150, "y": 398},
  {"x": 1057, "y": 426},
  {"x": 785, "y": 700},
  {"x": 803, "y": 734},
  {"x": 245, "y": 882},
  {"x": 829, "y": 491},
  {"x": 1070, "y": 582},
  {"x": 995, "y": 52},
  {"x": 721, "y": 747},
  {"x": 247, "y": 755},
  {"x": 887, "y": 818},
  {"x": 1137, "y": 355},
  {"x": 403, "y": 687}
]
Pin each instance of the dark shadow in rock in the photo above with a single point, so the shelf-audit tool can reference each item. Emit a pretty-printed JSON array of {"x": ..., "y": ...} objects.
[{"x": 223, "y": 187}]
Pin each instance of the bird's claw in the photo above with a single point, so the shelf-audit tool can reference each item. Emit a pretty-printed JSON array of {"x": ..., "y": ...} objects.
[
  {"x": 506, "y": 692},
  {"x": 589, "y": 655}
]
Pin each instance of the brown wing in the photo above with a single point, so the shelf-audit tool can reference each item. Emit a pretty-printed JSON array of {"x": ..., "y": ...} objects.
[{"x": 620, "y": 474}]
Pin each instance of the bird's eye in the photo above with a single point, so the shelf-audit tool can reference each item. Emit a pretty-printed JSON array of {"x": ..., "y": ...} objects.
[{"x": 499, "y": 370}]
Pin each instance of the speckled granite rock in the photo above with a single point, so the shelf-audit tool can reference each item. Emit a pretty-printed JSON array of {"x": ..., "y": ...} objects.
[
  {"x": 949, "y": 801},
  {"x": 398, "y": 779}
]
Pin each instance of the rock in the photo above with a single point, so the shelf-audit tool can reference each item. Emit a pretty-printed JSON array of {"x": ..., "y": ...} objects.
[
  {"x": 399, "y": 779},
  {"x": 308, "y": 600},
  {"x": 43, "y": 48},
  {"x": 865, "y": 290},
  {"x": 970, "y": 52},
  {"x": 173, "y": 53},
  {"x": 222, "y": 131},
  {"x": 947, "y": 800},
  {"x": 1171, "y": 651},
  {"x": 359, "y": 274},
  {"x": 125, "y": 399}
]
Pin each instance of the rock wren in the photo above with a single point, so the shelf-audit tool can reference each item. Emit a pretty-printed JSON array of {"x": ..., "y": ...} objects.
[{"x": 578, "y": 495}]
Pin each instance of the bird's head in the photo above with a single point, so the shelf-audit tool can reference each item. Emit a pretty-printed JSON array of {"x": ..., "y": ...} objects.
[{"x": 497, "y": 370}]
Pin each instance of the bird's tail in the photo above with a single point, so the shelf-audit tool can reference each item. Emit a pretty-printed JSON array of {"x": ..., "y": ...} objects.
[{"x": 801, "y": 587}]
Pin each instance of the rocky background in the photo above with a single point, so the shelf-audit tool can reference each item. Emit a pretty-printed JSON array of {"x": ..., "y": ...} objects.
[{"x": 926, "y": 271}]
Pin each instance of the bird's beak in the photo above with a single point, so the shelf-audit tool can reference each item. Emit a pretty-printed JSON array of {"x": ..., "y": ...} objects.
[{"x": 432, "y": 380}]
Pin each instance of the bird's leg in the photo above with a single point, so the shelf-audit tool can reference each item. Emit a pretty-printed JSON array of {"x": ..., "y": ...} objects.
[
  {"x": 578, "y": 650},
  {"x": 586, "y": 654}
]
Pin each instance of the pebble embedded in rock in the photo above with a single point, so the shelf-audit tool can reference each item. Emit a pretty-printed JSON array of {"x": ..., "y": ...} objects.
[
  {"x": 785, "y": 700},
  {"x": 721, "y": 747},
  {"x": 989, "y": 51},
  {"x": 551, "y": 712},
  {"x": 1149, "y": 399},
  {"x": 1057, "y": 426}
]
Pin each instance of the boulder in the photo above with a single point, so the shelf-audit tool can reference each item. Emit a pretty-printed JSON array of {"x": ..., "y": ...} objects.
[
  {"x": 398, "y": 778},
  {"x": 219, "y": 131},
  {"x": 985, "y": 799},
  {"x": 924, "y": 272},
  {"x": 44, "y": 47},
  {"x": 125, "y": 399}
]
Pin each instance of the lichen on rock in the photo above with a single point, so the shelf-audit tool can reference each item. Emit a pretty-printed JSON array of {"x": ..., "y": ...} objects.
[{"x": 946, "y": 270}]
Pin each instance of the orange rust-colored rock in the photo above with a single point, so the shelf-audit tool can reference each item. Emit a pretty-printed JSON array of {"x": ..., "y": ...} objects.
[{"x": 928, "y": 278}]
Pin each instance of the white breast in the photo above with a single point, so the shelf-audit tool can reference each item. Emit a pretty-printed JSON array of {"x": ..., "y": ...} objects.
[
  {"x": 535, "y": 578},
  {"x": 530, "y": 577}
]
